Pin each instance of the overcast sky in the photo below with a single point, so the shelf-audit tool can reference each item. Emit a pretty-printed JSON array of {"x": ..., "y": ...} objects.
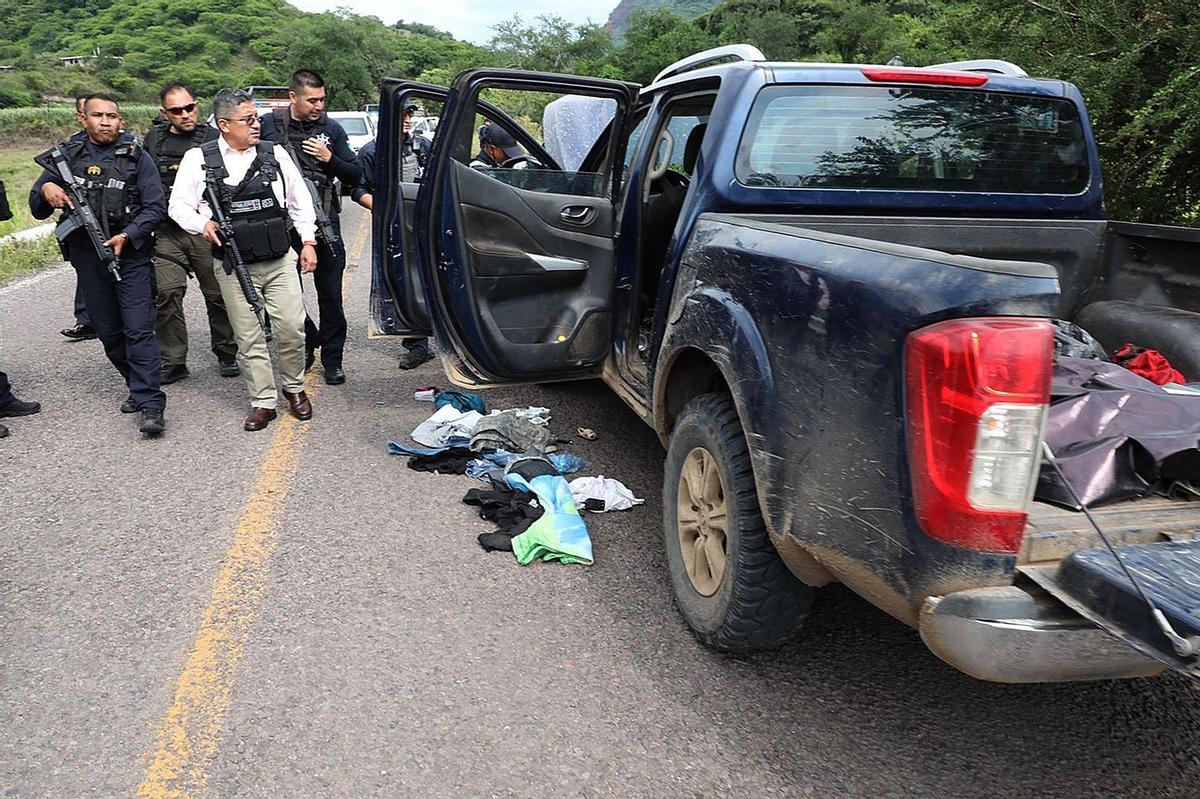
[{"x": 466, "y": 19}]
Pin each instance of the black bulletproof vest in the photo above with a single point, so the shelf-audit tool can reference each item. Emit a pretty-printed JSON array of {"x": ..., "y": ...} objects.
[
  {"x": 110, "y": 181},
  {"x": 167, "y": 149},
  {"x": 260, "y": 222},
  {"x": 294, "y": 134}
]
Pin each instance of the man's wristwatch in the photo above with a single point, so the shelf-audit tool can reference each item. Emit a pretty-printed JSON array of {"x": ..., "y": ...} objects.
[{"x": 309, "y": 244}]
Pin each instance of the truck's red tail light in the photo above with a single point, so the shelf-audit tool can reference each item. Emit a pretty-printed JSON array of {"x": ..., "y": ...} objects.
[
  {"x": 941, "y": 77},
  {"x": 976, "y": 393}
]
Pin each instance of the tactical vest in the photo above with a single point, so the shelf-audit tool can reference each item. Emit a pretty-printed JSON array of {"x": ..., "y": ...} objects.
[
  {"x": 294, "y": 136},
  {"x": 260, "y": 222},
  {"x": 110, "y": 182},
  {"x": 167, "y": 150}
]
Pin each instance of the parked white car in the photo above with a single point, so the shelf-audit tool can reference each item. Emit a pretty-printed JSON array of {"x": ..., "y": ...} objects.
[
  {"x": 424, "y": 126},
  {"x": 358, "y": 125}
]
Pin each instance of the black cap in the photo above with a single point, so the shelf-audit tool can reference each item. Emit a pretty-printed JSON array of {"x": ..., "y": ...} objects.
[{"x": 499, "y": 137}]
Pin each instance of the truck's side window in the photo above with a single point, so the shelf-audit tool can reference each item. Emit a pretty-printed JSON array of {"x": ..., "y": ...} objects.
[{"x": 539, "y": 143}]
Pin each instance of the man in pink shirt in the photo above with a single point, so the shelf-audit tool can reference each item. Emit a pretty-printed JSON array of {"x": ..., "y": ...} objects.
[{"x": 262, "y": 194}]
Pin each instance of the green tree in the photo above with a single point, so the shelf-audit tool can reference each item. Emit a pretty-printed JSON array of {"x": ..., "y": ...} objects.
[
  {"x": 656, "y": 38},
  {"x": 550, "y": 45}
]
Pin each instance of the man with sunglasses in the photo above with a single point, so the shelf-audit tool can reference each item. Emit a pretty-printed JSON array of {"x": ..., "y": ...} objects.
[
  {"x": 178, "y": 253},
  {"x": 126, "y": 195},
  {"x": 320, "y": 149},
  {"x": 261, "y": 193}
]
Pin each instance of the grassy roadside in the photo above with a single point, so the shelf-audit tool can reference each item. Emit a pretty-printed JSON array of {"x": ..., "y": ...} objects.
[
  {"x": 18, "y": 172},
  {"x": 25, "y": 132},
  {"x": 19, "y": 258}
]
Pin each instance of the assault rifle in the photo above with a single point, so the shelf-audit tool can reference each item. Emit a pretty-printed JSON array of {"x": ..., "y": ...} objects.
[
  {"x": 325, "y": 229},
  {"x": 81, "y": 216},
  {"x": 232, "y": 258}
]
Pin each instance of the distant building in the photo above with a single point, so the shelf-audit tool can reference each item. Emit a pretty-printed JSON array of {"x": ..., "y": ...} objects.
[{"x": 81, "y": 60}]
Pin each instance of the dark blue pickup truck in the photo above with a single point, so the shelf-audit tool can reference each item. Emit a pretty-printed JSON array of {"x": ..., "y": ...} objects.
[{"x": 827, "y": 288}]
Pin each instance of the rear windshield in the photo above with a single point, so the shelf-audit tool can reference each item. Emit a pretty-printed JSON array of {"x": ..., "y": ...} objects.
[{"x": 921, "y": 139}]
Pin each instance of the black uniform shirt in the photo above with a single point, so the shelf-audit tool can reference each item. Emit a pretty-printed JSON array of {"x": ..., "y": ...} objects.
[
  {"x": 146, "y": 215},
  {"x": 366, "y": 161},
  {"x": 342, "y": 165}
]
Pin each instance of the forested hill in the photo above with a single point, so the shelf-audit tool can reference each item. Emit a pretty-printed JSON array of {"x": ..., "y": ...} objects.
[
  {"x": 618, "y": 20},
  {"x": 133, "y": 46},
  {"x": 1136, "y": 61}
]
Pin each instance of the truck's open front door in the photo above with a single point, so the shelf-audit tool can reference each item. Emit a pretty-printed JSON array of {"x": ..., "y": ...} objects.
[
  {"x": 516, "y": 252},
  {"x": 397, "y": 300}
]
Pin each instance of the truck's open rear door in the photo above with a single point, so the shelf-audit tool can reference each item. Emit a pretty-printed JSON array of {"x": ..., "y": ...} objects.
[{"x": 1092, "y": 583}]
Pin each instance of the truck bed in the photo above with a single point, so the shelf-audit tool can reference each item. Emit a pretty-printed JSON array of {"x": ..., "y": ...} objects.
[
  {"x": 1052, "y": 532},
  {"x": 1074, "y": 247}
]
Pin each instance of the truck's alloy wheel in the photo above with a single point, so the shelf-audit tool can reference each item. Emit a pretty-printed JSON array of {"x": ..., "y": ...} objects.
[
  {"x": 730, "y": 584},
  {"x": 702, "y": 519}
]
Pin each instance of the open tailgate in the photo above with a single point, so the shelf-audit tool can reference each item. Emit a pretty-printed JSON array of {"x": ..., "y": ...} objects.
[{"x": 1091, "y": 583}]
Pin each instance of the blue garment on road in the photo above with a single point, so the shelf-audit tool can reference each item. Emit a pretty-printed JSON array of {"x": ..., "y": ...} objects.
[
  {"x": 396, "y": 448},
  {"x": 560, "y": 532},
  {"x": 461, "y": 400},
  {"x": 564, "y": 462}
]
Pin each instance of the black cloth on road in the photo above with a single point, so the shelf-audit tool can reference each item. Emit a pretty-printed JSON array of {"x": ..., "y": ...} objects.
[
  {"x": 512, "y": 512},
  {"x": 449, "y": 461}
]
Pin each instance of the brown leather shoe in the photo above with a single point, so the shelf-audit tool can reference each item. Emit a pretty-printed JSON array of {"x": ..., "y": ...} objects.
[
  {"x": 299, "y": 404},
  {"x": 259, "y": 418}
]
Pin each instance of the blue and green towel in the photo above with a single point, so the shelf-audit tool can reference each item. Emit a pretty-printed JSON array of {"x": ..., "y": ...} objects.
[{"x": 560, "y": 534}]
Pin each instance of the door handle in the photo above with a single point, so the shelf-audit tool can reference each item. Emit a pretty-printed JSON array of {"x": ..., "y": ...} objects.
[{"x": 580, "y": 215}]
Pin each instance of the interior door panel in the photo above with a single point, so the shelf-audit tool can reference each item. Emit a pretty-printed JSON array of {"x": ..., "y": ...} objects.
[
  {"x": 543, "y": 288},
  {"x": 519, "y": 262}
]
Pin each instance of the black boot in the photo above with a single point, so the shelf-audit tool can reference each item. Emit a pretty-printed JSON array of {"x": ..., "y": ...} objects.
[{"x": 153, "y": 423}]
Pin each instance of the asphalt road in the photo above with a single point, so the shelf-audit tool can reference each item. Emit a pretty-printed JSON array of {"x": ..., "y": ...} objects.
[{"x": 294, "y": 613}]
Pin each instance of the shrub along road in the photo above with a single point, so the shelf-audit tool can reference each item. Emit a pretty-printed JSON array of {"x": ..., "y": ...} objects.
[{"x": 294, "y": 613}]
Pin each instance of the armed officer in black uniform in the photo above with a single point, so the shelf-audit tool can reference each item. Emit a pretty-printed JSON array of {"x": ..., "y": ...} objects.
[
  {"x": 126, "y": 195},
  {"x": 319, "y": 147},
  {"x": 178, "y": 254}
]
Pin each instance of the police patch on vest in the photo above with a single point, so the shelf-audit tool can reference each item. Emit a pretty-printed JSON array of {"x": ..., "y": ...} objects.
[
  {"x": 250, "y": 206},
  {"x": 94, "y": 170}
]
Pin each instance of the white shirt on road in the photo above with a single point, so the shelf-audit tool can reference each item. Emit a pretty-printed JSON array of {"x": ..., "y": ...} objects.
[{"x": 190, "y": 210}]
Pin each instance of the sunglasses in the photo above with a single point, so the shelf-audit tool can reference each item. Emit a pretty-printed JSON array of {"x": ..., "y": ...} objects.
[{"x": 181, "y": 109}]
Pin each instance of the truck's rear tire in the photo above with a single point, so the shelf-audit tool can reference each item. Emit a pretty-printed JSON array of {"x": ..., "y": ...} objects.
[{"x": 731, "y": 586}]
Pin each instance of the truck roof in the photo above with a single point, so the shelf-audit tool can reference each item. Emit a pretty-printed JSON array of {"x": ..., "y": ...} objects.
[{"x": 992, "y": 74}]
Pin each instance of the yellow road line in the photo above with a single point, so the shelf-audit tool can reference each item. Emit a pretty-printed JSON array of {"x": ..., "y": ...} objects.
[{"x": 189, "y": 735}]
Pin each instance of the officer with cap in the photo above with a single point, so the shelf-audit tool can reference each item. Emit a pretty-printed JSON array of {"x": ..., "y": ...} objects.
[
  {"x": 177, "y": 253},
  {"x": 416, "y": 351},
  {"x": 318, "y": 145},
  {"x": 499, "y": 149},
  {"x": 126, "y": 195}
]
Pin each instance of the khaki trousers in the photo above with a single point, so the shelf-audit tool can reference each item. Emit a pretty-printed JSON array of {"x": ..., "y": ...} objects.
[
  {"x": 173, "y": 247},
  {"x": 278, "y": 283}
]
